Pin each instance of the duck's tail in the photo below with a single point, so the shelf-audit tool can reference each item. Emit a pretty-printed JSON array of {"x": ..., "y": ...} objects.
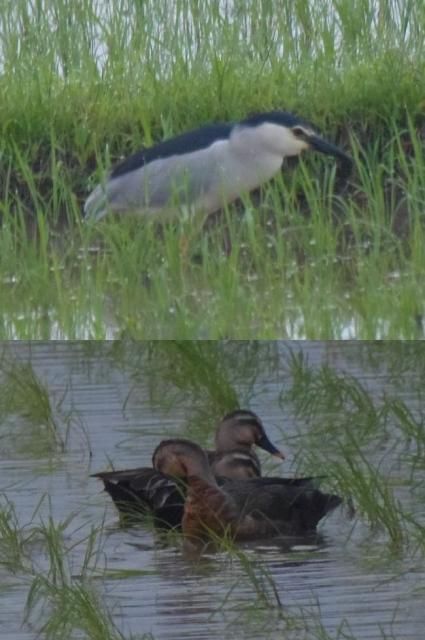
[
  {"x": 320, "y": 505},
  {"x": 142, "y": 491}
]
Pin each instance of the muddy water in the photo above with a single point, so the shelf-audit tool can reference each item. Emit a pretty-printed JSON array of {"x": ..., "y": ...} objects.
[{"x": 119, "y": 410}]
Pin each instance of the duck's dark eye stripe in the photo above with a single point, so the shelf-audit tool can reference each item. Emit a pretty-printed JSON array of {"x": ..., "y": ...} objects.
[
  {"x": 238, "y": 414},
  {"x": 249, "y": 420}
]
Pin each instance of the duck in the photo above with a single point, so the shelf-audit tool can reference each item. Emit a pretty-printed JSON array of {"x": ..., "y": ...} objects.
[
  {"x": 236, "y": 435},
  {"x": 250, "y": 509},
  {"x": 143, "y": 490}
]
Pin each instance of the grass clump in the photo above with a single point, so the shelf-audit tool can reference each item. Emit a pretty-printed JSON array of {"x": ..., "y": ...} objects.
[
  {"x": 27, "y": 408},
  {"x": 62, "y": 599},
  {"x": 196, "y": 369},
  {"x": 358, "y": 438},
  {"x": 206, "y": 378},
  {"x": 32, "y": 419},
  {"x": 342, "y": 398},
  {"x": 25, "y": 395},
  {"x": 14, "y": 554},
  {"x": 410, "y": 424}
]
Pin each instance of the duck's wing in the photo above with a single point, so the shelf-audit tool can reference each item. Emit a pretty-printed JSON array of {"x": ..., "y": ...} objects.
[{"x": 290, "y": 506}]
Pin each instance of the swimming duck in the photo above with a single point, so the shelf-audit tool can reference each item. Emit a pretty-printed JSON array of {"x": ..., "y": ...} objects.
[
  {"x": 143, "y": 489},
  {"x": 249, "y": 509}
]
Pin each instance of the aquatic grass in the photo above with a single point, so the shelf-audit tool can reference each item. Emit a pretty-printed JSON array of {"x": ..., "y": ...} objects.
[
  {"x": 252, "y": 568},
  {"x": 224, "y": 547},
  {"x": 196, "y": 369},
  {"x": 260, "y": 578},
  {"x": 373, "y": 497},
  {"x": 365, "y": 486},
  {"x": 23, "y": 393},
  {"x": 410, "y": 424},
  {"x": 28, "y": 408},
  {"x": 13, "y": 540},
  {"x": 201, "y": 375},
  {"x": 268, "y": 611},
  {"x": 343, "y": 423},
  {"x": 74, "y": 608},
  {"x": 351, "y": 404},
  {"x": 342, "y": 398},
  {"x": 63, "y": 599}
]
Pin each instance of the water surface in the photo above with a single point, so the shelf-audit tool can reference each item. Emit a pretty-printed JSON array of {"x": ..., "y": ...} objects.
[{"x": 118, "y": 401}]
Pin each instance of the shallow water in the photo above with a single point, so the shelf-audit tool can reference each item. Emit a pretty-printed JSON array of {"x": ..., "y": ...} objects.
[
  {"x": 39, "y": 325},
  {"x": 121, "y": 400}
]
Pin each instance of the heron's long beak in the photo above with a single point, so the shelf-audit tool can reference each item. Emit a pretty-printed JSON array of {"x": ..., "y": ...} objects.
[
  {"x": 264, "y": 443},
  {"x": 329, "y": 149}
]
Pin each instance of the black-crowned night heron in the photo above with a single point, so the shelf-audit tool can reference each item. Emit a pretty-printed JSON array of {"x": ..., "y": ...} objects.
[{"x": 205, "y": 169}]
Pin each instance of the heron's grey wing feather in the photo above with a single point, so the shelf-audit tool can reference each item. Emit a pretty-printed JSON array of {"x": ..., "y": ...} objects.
[
  {"x": 169, "y": 181},
  {"x": 166, "y": 183}
]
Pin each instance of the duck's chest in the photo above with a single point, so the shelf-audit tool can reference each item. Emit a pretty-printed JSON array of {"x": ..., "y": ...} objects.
[{"x": 207, "y": 510}]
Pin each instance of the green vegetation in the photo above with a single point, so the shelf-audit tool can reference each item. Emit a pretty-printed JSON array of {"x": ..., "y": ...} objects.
[
  {"x": 23, "y": 394},
  {"x": 12, "y": 540},
  {"x": 85, "y": 83},
  {"x": 73, "y": 606},
  {"x": 29, "y": 417},
  {"x": 357, "y": 422}
]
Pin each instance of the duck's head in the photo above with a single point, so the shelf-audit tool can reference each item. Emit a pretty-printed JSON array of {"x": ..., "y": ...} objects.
[
  {"x": 242, "y": 429},
  {"x": 181, "y": 458}
]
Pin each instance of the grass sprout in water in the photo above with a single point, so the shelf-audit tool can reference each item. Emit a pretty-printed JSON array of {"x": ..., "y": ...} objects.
[
  {"x": 22, "y": 393},
  {"x": 358, "y": 424},
  {"x": 14, "y": 554},
  {"x": 63, "y": 599},
  {"x": 203, "y": 375},
  {"x": 36, "y": 421}
]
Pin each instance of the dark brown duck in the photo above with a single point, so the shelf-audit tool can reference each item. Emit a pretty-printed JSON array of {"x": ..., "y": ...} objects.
[
  {"x": 141, "y": 490},
  {"x": 249, "y": 509}
]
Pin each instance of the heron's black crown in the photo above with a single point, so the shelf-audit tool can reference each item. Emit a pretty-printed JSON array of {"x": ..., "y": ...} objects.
[{"x": 283, "y": 118}]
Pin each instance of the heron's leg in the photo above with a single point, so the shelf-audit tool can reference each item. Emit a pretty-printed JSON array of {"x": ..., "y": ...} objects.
[
  {"x": 219, "y": 219},
  {"x": 189, "y": 230}
]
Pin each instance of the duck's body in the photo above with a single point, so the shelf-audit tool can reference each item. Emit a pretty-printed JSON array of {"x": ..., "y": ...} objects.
[
  {"x": 146, "y": 491},
  {"x": 141, "y": 490},
  {"x": 255, "y": 508},
  {"x": 249, "y": 509}
]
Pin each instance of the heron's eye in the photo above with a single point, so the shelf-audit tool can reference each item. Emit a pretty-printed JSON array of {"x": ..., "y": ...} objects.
[{"x": 298, "y": 132}]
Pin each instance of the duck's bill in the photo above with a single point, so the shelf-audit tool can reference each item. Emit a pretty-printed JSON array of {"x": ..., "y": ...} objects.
[
  {"x": 264, "y": 443},
  {"x": 329, "y": 149}
]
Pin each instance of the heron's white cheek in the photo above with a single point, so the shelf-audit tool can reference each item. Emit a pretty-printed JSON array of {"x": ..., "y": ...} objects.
[{"x": 295, "y": 147}]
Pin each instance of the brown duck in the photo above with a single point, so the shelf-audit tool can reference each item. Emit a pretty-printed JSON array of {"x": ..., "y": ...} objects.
[
  {"x": 249, "y": 509},
  {"x": 142, "y": 490}
]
